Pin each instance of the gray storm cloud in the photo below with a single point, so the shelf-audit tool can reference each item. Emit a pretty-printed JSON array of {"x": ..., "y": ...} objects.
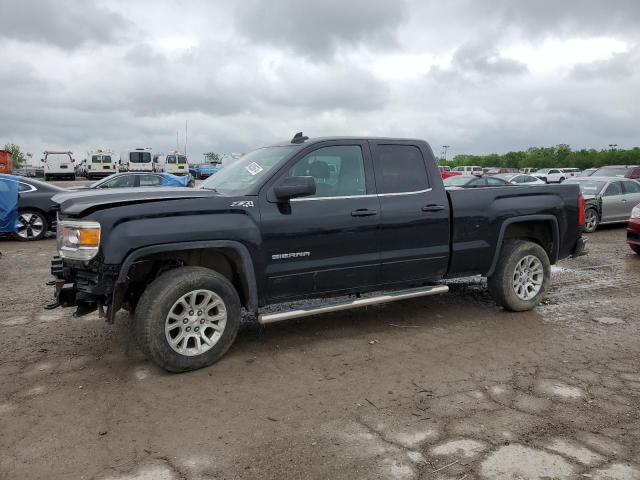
[{"x": 83, "y": 74}]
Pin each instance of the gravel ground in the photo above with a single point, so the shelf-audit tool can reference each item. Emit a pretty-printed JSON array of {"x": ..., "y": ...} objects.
[{"x": 445, "y": 387}]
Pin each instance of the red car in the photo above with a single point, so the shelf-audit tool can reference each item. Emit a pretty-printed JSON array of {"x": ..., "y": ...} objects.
[
  {"x": 633, "y": 230},
  {"x": 446, "y": 172}
]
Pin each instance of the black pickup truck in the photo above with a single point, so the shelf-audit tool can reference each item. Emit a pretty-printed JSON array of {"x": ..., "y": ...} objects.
[{"x": 326, "y": 217}]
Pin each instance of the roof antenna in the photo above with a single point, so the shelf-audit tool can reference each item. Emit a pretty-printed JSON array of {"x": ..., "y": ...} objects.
[{"x": 299, "y": 138}]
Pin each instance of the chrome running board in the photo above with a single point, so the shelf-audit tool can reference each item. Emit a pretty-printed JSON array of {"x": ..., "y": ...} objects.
[{"x": 361, "y": 302}]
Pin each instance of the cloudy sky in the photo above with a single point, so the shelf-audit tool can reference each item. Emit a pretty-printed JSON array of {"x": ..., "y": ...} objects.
[{"x": 481, "y": 76}]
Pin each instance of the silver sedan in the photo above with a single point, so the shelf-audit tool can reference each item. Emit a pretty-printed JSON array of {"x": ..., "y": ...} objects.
[{"x": 609, "y": 199}]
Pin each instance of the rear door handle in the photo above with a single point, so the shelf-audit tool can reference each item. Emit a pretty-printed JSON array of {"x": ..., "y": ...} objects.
[
  {"x": 364, "y": 212},
  {"x": 433, "y": 208}
]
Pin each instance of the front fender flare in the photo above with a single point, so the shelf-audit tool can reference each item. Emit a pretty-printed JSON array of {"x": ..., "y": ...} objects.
[{"x": 237, "y": 247}]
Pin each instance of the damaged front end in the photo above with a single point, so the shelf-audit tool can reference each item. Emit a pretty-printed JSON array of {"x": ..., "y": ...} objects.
[{"x": 86, "y": 286}]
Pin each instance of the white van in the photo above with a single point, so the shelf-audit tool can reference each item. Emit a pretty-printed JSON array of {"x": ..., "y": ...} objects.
[
  {"x": 175, "y": 163},
  {"x": 101, "y": 163},
  {"x": 469, "y": 170},
  {"x": 58, "y": 165},
  {"x": 137, "y": 160}
]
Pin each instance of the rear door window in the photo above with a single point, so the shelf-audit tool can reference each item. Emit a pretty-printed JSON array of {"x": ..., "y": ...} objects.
[
  {"x": 400, "y": 169},
  {"x": 150, "y": 181},
  {"x": 631, "y": 187}
]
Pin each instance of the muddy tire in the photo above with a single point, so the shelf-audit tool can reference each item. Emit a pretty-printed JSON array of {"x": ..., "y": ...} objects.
[
  {"x": 591, "y": 220},
  {"x": 521, "y": 277},
  {"x": 635, "y": 248},
  {"x": 187, "y": 319}
]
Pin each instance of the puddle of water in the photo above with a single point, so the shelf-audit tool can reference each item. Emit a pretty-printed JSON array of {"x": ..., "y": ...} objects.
[
  {"x": 517, "y": 461},
  {"x": 467, "y": 448},
  {"x": 555, "y": 388},
  {"x": 156, "y": 472},
  {"x": 577, "y": 452},
  {"x": 609, "y": 320}
]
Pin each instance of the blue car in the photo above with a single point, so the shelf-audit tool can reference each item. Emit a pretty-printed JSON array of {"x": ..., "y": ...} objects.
[
  {"x": 8, "y": 203},
  {"x": 203, "y": 170}
]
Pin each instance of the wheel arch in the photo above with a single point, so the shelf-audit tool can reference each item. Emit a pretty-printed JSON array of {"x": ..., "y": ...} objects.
[
  {"x": 529, "y": 228},
  {"x": 230, "y": 258}
]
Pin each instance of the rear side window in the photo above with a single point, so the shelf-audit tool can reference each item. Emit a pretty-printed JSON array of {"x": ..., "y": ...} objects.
[
  {"x": 631, "y": 187},
  {"x": 400, "y": 168}
]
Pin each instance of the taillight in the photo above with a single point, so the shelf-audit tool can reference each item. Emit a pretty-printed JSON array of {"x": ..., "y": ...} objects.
[{"x": 581, "y": 206}]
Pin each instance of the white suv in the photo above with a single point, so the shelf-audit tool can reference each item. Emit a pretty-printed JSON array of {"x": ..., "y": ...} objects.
[
  {"x": 551, "y": 175},
  {"x": 469, "y": 170}
]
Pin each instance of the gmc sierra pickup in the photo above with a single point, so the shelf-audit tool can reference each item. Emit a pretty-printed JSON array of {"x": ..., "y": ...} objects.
[{"x": 324, "y": 217}]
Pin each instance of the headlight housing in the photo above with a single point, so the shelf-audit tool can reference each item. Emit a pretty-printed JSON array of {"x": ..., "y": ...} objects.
[
  {"x": 635, "y": 213},
  {"x": 78, "y": 240}
]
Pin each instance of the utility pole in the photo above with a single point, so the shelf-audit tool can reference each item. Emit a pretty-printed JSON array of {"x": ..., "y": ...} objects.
[
  {"x": 185, "y": 136},
  {"x": 445, "y": 151}
]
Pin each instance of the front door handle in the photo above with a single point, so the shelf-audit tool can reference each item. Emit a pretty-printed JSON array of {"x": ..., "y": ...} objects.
[
  {"x": 433, "y": 208},
  {"x": 364, "y": 212}
]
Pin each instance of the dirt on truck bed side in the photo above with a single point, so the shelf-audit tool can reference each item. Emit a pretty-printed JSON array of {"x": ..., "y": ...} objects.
[{"x": 439, "y": 387}]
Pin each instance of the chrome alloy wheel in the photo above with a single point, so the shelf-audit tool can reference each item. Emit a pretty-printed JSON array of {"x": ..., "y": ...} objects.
[
  {"x": 195, "y": 322},
  {"x": 528, "y": 277},
  {"x": 30, "y": 225},
  {"x": 591, "y": 220}
]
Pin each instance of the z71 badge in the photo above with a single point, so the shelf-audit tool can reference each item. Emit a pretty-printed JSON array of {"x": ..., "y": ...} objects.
[{"x": 243, "y": 203}]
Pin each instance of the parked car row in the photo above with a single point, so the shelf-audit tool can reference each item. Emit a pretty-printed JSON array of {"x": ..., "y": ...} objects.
[{"x": 37, "y": 210}]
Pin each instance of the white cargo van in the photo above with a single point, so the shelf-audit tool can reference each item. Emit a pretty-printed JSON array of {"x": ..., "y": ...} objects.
[
  {"x": 58, "y": 165},
  {"x": 137, "y": 160},
  {"x": 469, "y": 170},
  {"x": 175, "y": 163},
  {"x": 101, "y": 163}
]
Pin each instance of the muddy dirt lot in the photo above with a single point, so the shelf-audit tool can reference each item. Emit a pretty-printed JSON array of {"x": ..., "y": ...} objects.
[{"x": 447, "y": 387}]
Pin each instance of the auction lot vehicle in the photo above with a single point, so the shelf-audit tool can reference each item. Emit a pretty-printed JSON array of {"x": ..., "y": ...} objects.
[
  {"x": 5, "y": 161},
  {"x": 140, "y": 179},
  {"x": 137, "y": 160},
  {"x": 468, "y": 181},
  {"x": 36, "y": 209},
  {"x": 551, "y": 175},
  {"x": 446, "y": 172},
  {"x": 608, "y": 199},
  {"x": 101, "y": 164},
  {"x": 58, "y": 165},
  {"x": 174, "y": 163},
  {"x": 469, "y": 170},
  {"x": 633, "y": 229},
  {"x": 628, "y": 171},
  {"x": 203, "y": 170},
  {"x": 520, "y": 178},
  {"x": 325, "y": 217}
]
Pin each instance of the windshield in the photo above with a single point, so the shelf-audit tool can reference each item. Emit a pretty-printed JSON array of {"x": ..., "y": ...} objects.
[
  {"x": 239, "y": 177},
  {"x": 140, "y": 157},
  {"x": 610, "y": 172},
  {"x": 543, "y": 170},
  {"x": 457, "y": 181},
  {"x": 101, "y": 159},
  {"x": 589, "y": 187}
]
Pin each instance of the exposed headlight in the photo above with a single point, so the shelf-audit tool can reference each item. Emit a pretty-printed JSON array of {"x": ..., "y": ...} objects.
[
  {"x": 78, "y": 240},
  {"x": 635, "y": 213}
]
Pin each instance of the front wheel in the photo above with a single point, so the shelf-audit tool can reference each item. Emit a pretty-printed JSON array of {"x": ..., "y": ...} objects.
[
  {"x": 590, "y": 220},
  {"x": 521, "y": 277},
  {"x": 187, "y": 318},
  {"x": 635, "y": 248},
  {"x": 32, "y": 225},
  {"x": 561, "y": 180}
]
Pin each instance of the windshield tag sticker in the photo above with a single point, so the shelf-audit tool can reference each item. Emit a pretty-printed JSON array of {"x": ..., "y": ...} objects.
[
  {"x": 242, "y": 203},
  {"x": 253, "y": 168}
]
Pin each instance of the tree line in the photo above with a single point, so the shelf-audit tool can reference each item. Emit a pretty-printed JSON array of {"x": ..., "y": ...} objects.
[{"x": 561, "y": 156}]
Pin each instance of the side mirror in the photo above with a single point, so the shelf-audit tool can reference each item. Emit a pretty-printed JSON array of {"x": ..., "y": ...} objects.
[{"x": 293, "y": 187}]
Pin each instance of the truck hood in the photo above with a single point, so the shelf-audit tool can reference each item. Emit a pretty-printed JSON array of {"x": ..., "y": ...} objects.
[{"x": 76, "y": 203}]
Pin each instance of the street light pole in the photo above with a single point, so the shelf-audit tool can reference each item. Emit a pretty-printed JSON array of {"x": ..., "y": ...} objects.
[{"x": 445, "y": 151}]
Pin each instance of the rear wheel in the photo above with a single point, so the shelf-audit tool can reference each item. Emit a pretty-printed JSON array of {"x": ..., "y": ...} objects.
[
  {"x": 187, "y": 318},
  {"x": 521, "y": 277},
  {"x": 32, "y": 225},
  {"x": 591, "y": 220},
  {"x": 635, "y": 248}
]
